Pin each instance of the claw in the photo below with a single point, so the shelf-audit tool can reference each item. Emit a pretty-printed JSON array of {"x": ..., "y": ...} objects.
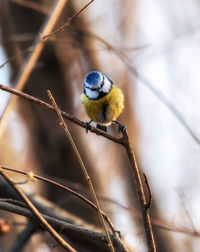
[
  {"x": 87, "y": 126},
  {"x": 121, "y": 127}
]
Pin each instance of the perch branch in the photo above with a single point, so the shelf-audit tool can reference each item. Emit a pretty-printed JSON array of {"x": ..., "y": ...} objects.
[
  {"x": 64, "y": 114},
  {"x": 36, "y": 213}
]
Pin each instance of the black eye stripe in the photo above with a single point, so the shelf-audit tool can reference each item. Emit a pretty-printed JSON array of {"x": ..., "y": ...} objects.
[{"x": 92, "y": 89}]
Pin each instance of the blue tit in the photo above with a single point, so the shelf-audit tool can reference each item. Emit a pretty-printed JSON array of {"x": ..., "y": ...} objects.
[{"x": 102, "y": 99}]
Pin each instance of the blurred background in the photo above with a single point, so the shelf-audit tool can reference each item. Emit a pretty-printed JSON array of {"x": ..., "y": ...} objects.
[{"x": 151, "y": 50}]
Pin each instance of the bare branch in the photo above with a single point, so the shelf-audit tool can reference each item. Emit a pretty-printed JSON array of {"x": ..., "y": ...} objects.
[{"x": 64, "y": 114}]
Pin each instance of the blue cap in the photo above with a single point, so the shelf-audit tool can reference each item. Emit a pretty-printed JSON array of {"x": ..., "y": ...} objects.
[{"x": 93, "y": 78}]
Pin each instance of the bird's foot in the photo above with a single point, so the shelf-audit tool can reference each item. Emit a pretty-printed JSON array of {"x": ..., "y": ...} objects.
[
  {"x": 121, "y": 127},
  {"x": 87, "y": 126}
]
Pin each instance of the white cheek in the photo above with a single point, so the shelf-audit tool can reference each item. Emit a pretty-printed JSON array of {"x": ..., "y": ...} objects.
[
  {"x": 107, "y": 85},
  {"x": 91, "y": 94}
]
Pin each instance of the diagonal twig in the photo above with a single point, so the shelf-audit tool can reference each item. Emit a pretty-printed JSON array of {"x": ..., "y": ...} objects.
[{"x": 88, "y": 179}]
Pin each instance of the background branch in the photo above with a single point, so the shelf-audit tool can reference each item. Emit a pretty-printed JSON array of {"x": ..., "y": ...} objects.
[
  {"x": 37, "y": 214},
  {"x": 66, "y": 189},
  {"x": 80, "y": 237},
  {"x": 132, "y": 210}
]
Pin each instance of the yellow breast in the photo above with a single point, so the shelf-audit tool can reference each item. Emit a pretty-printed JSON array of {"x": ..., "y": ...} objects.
[{"x": 105, "y": 109}]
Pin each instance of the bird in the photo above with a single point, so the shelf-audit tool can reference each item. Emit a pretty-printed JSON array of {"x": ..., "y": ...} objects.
[{"x": 102, "y": 99}]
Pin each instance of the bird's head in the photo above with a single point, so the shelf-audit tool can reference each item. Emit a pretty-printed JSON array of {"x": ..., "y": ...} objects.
[{"x": 96, "y": 85}]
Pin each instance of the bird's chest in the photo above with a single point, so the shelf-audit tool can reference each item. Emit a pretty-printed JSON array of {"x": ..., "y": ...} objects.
[{"x": 99, "y": 111}]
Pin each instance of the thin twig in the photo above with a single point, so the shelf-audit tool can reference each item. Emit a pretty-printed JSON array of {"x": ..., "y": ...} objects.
[
  {"x": 31, "y": 61},
  {"x": 37, "y": 214},
  {"x": 88, "y": 179},
  {"x": 66, "y": 189},
  {"x": 70, "y": 19},
  {"x": 148, "y": 204}
]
